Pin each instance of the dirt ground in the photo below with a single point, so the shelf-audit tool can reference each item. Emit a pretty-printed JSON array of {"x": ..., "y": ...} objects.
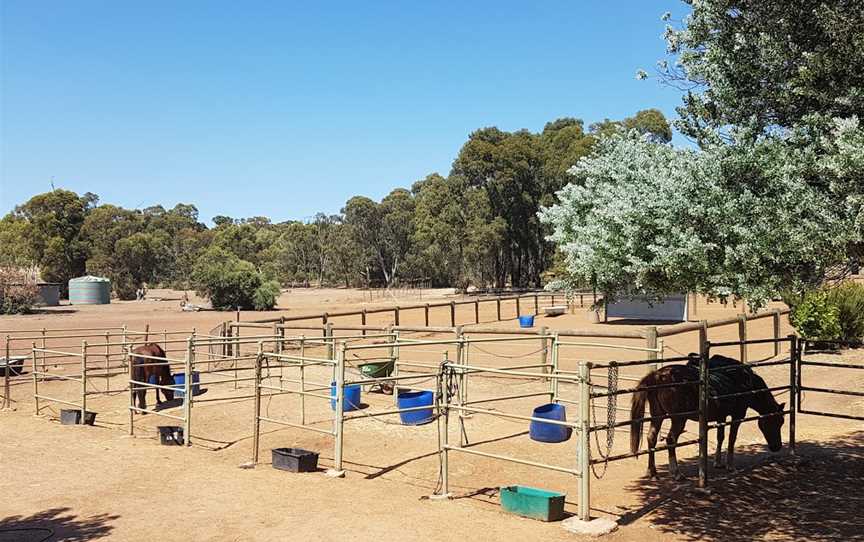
[{"x": 86, "y": 483}]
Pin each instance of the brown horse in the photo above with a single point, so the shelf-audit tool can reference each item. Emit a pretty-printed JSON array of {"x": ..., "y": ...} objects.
[
  {"x": 144, "y": 370},
  {"x": 726, "y": 376}
]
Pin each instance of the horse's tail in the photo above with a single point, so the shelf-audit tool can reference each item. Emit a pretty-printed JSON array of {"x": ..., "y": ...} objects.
[{"x": 637, "y": 411}]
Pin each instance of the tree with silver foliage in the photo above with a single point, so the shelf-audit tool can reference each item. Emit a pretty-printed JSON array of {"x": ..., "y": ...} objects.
[{"x": 742, "y": 219}]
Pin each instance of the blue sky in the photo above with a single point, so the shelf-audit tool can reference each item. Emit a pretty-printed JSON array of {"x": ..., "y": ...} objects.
[{"x": 283, "y": 109}]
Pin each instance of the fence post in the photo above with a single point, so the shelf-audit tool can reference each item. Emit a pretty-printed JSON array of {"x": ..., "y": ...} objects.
[
  {"x": 187, "y": 395},
  {"x": 127, "y": 355},
  {"x": 35, "y": 384},
  {"x": 443, "y": 429},
  {"x": 44, "y": 346},
  {"x": 584, "y": 451},
  {"x": 498, "y": 303},
  {"x": 396, "y": 316},
  {"x": 518, "y": 307},
  {"x": 7, "y": 403},
  {"x": 256, "y": 426},
  {"x": 794, "y": 375},
  {"x": 107, "y": 360},
  {"x": 651, "y": 342},
  {"x": 703, "y": 418},
  {"x": 363, "y": 319},
  {"x": 324, "y": 318},
  {"x": 463, "y": 383},
  {"x": 544, "y": 352},
  {"x": 146, "y": 333},
  {"x": 328, "y": 338},
  {"x": 703, "y": 335},
  {"x": 742, "y": 336},
  {"x": 426, "y": 313},
  {"x": 302, "y": 379},
  {"x": 554, "y": 381},
  {"x": 476, "y": 311},
  {"x": 776, "y": 320},
  {"x": 536, "y": 305},
  {"x": 393, "y": 356},
  {"x": 452, "y": 314},
  {"x": 83, "y": 381},
  {"x": 340, "y": 415}
]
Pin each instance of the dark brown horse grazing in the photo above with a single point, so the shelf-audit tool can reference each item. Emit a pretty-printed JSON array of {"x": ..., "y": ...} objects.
[
  {"x": 144, "y": 370},
  {"x": 726, "y": 376}
]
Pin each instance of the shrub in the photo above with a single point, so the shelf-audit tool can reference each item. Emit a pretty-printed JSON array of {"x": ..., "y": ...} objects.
[
  {"x": 266, "y": 295},
  {"x": 230, "y": 282},
  {"x": 849, "y": 300},
  {"x": 816, "y": 317},
  {"x": 18, "y": 291}
]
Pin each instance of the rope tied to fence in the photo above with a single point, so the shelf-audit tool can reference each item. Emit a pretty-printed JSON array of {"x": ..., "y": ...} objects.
[
  {"x": 515, "y": 356},
  {"x": 611, "y": 415}
]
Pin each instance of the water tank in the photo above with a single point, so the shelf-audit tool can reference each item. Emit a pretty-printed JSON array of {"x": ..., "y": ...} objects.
[{"x": 89, "y": 290}]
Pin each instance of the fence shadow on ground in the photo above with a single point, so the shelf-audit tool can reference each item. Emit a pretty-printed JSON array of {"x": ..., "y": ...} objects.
[
  {"x": 816, "y": 495},
  {"x": 55, "y": 524}
]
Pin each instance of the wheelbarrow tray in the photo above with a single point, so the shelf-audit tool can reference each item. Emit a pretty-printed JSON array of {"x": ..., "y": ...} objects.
[{"x": 377, "y": 369}]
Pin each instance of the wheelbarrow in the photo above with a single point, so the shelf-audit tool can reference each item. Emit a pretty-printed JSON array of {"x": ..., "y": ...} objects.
[{"x": 379, "y": 369}]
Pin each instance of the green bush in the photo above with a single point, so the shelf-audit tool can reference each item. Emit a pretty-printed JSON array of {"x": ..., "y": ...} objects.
[
  {"x": 230, "y": 282},
  {"x": 266, "y": 295},
  {"x": 849, "y": 300},
  {"x": 816, "y": 317}
]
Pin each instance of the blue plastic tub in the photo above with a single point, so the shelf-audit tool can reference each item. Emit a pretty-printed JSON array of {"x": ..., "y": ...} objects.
[
  {"x": 180, "y": 381},
  {"x": 411, "y": 399},
  {"x": 550, "y": 432},
  {"x": 526, "y": 321},
  {"x": 351, "y": 399}
]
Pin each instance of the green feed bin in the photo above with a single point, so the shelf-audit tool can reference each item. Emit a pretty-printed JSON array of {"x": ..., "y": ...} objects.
[{"x": 533, "y": 503}]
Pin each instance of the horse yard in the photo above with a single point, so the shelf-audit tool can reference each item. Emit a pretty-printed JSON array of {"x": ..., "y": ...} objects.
[{"x": 84, "y": 482}]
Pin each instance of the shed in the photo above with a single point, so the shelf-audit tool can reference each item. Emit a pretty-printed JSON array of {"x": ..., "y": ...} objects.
[
  {"x": 89, "y": 290},
  {"x": 49, "y": 294}
]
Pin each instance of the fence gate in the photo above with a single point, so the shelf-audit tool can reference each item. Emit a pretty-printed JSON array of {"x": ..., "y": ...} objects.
[{"x": 843, "y": 369}]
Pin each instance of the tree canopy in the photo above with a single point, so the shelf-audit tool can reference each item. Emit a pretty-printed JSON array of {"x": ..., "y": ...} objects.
[
  {"x": 772, "y": 200},
  {"x": 477, "y": 225}
]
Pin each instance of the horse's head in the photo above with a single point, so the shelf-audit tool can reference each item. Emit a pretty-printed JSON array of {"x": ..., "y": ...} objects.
[
  {"x": 167, "y": 380},
  {"x": 770, "y": 426}
]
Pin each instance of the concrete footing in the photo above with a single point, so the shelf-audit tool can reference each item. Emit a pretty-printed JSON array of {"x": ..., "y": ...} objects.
[{"x": 594, "y": 527}]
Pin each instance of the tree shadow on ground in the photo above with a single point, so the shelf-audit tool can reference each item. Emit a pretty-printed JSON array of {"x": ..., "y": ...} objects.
[
  {"x": 55, "y": 524},
  {"x": 816, "y": 495}
]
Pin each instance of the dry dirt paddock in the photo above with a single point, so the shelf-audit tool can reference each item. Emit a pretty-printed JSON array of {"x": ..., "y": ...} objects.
[{"x": 87, "y": 483}]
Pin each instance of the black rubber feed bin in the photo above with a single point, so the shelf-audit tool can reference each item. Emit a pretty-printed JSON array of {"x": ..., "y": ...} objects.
[
  {"x": 70, "y": 416},
  {"x": 295, "y": 460},
  {"x": 170, "y": 435}
]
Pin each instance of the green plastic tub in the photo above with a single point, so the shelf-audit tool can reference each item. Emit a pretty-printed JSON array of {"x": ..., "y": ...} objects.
[{"x": 533, "y": 503}]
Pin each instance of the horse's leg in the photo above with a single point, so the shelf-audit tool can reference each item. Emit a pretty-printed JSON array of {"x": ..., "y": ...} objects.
[
  {"x": 718, "y": 454},
  {"x": 675, "y": 430},
  {"x": 730, "y": 453},
  {"x": 652, "y": 443},
  {"x": 142, "y": 400}
]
